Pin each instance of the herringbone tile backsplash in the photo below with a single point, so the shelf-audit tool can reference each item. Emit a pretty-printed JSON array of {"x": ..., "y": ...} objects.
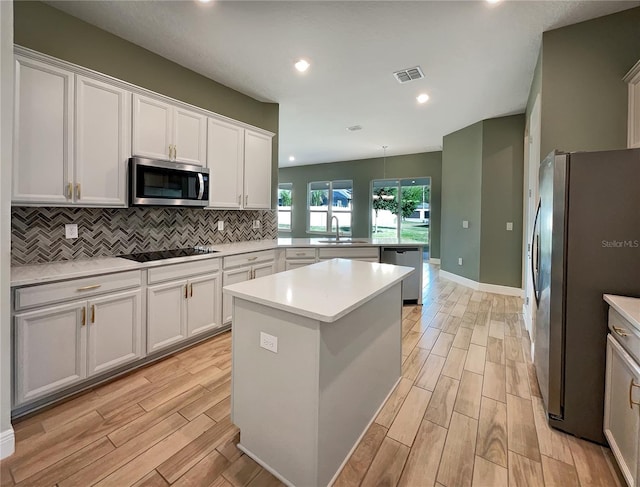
[{"x": 37, "y": 234}]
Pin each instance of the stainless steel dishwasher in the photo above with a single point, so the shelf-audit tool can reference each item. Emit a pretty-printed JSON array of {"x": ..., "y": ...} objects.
[{"x": 409, "y": 257}]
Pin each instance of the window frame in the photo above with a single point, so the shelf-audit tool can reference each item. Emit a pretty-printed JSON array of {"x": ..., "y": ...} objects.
[{"x": 328, "y": 230}]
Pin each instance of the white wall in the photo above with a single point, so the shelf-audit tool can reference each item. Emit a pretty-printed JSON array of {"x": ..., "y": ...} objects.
[{"x": 6, "y": 136}]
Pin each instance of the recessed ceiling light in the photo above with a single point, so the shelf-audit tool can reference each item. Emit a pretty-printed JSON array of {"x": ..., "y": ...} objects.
[
  {"x": 422, "y": 98},
  {"x": 291, "y": 158},
  {"x": 493, "y": 1},
  {"x": 204, "y": 1},
  {"x": 302, "y": 65}
]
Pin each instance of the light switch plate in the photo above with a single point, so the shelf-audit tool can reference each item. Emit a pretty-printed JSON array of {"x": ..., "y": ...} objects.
[
  {"x": 71, "y": 230},
  {"x": 220, "y": 225},
  {"x": 269, "y": 342},
  {"x": 459, "y": 260},
  {"x": 510, "y": 226},
  {"x": 465, "y": 224}
]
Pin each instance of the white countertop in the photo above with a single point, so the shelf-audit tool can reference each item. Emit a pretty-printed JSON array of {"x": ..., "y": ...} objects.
[
  {"x": 325, "y": 291},
  {"x": 628, "y": 307},
  {"x": 26, "y": 275}
]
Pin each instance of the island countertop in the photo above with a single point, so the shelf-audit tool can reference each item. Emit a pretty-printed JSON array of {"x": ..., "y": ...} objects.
[{"x": 325, "y": 291}]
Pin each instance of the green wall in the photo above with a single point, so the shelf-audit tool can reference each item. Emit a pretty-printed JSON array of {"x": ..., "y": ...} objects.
[
  {"x": 584, "y": 100},
  {"x": 461, "y": 200},
  {"x": 502, "y": 187},
  {"x": 362, "y": 172},
  {"x": 53, "y": 32},
  {"x": 482, "y": 182}
]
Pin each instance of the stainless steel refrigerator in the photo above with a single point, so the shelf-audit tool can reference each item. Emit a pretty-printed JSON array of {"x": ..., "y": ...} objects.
[{"x": 586, "y": 242}]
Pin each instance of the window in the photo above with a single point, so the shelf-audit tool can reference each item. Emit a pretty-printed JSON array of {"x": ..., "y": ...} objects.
[
  {"x": 326, "y": 200},
  {"x": 284, "y": 206}
]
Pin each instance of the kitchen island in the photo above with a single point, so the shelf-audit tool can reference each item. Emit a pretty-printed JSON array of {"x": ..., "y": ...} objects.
[{"x": 316, "y": 351}]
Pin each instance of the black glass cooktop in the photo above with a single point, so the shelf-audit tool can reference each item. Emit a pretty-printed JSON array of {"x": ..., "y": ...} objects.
[{"x": 166, "y": 254}]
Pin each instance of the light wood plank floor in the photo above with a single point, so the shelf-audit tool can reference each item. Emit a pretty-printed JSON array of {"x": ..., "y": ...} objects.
[{"x": 467, "y": 412}]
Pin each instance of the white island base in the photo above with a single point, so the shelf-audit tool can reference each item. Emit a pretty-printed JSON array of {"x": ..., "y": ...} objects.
[{"x": 302, "y": 410}]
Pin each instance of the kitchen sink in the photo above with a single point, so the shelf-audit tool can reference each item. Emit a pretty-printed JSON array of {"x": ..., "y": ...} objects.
[{"x": 342, "y": 241}]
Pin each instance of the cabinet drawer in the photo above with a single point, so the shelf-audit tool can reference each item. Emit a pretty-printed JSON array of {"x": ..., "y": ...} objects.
[
  {"x": 29, "y": 297},
  {"x": 248, "y": 259},
  {"x": 350, "y": 253},
  {"x": 180, "y": 271},
  {"x": 300, "y": 253},
  {"x": 625, "y": 333}
]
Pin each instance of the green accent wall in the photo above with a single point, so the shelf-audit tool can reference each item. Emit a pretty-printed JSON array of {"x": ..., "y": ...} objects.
[
  {"x": 502, "y": 188},
  {"x": 584, "y": 100},
  {"x": 45, "y": 29},
  {"x": 461, "y": 200},
  {"x": 362, "y": 172},
  {"x": 482, "y": 183}
]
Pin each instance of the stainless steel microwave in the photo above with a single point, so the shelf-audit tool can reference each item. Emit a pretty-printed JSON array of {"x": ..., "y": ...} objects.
[{"x": 166, "y": 183}]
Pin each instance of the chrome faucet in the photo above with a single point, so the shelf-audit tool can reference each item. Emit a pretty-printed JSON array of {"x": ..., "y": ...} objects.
[{"x": 337, "y": 227}]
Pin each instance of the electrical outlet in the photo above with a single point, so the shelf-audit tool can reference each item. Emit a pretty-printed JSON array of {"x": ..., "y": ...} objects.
[
  {"x": 269, "y": 342},
  {"x": 465, "y": 223},
  {"x": 256, "y": 224},
  {"x": 71, "y": 230},
  {"x": 459, "y": 260},
  {"x": 510, "y": 226},
  {"x": 220, "y": 225}
]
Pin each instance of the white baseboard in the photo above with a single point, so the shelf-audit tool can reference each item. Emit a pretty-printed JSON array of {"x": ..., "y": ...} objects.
[
  {"x": 434, "y": 261},
  {"x": 482, "y": 286},
  {"x": 7, "y": 443}
]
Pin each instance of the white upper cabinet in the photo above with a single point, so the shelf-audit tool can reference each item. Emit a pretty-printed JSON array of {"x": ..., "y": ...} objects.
[
  {"x": 102, "y": 141},
  {"x": 190, "y": 137},
  {"x": 71, "y": 138},
  {"x": 240, "y": 164},
  {"x": 633, "y": 79},
  {"x": 43, "y": 138},
  {"x": 225, "y": 160},
  {"x": 257, "y": 170},
  {"x": 165, "y": 131},
  {"x": 152, "y": 130}
]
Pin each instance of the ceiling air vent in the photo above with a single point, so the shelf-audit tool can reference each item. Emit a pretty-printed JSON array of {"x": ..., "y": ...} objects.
[
  {"x": 353, "y": 128},
  {"x": 409, "y": 74}
]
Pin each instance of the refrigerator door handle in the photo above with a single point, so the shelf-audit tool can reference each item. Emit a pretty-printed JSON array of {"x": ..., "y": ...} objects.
[{"x": 535, "y": 266}]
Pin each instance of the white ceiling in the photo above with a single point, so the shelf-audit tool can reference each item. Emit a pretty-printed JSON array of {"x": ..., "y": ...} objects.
[{"x": 478, "y": 59}]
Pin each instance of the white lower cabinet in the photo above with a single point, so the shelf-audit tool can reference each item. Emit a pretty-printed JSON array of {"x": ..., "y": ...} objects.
[
  {"x": 295, "y": 264},
  {"x": 622, "y": 410},
  {"x": 242, "y": 267},
  {"x": 58, "y": 346},
  {"x": 179, "y": 309}
]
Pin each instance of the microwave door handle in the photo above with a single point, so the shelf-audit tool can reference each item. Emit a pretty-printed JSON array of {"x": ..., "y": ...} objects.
[{"x": 200, "y": 186}]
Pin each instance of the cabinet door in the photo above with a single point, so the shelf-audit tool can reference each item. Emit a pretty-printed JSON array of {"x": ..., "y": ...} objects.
[
  {"x": 232, "y": 277},
  {"x": 152, "y": 122},
  {"x": 265, "y": 269},
  {"x": 225, "y": 148},
  {"x": 166, "y": 314},
  {"x": 621, "y": 415},
  {"x": 257, "y": 170},
  {"x": 102, "y": 141},
  {"x": 114, "y": 326},
  {"x": 50, "y": 350},
  {"x": 190, "y": 136},
  {"x": 203, "y": 305},
  {"x": 43, "y": 140}
]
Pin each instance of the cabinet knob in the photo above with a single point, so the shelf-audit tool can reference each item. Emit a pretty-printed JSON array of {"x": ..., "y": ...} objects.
[{"x": 631, "y": 401}]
